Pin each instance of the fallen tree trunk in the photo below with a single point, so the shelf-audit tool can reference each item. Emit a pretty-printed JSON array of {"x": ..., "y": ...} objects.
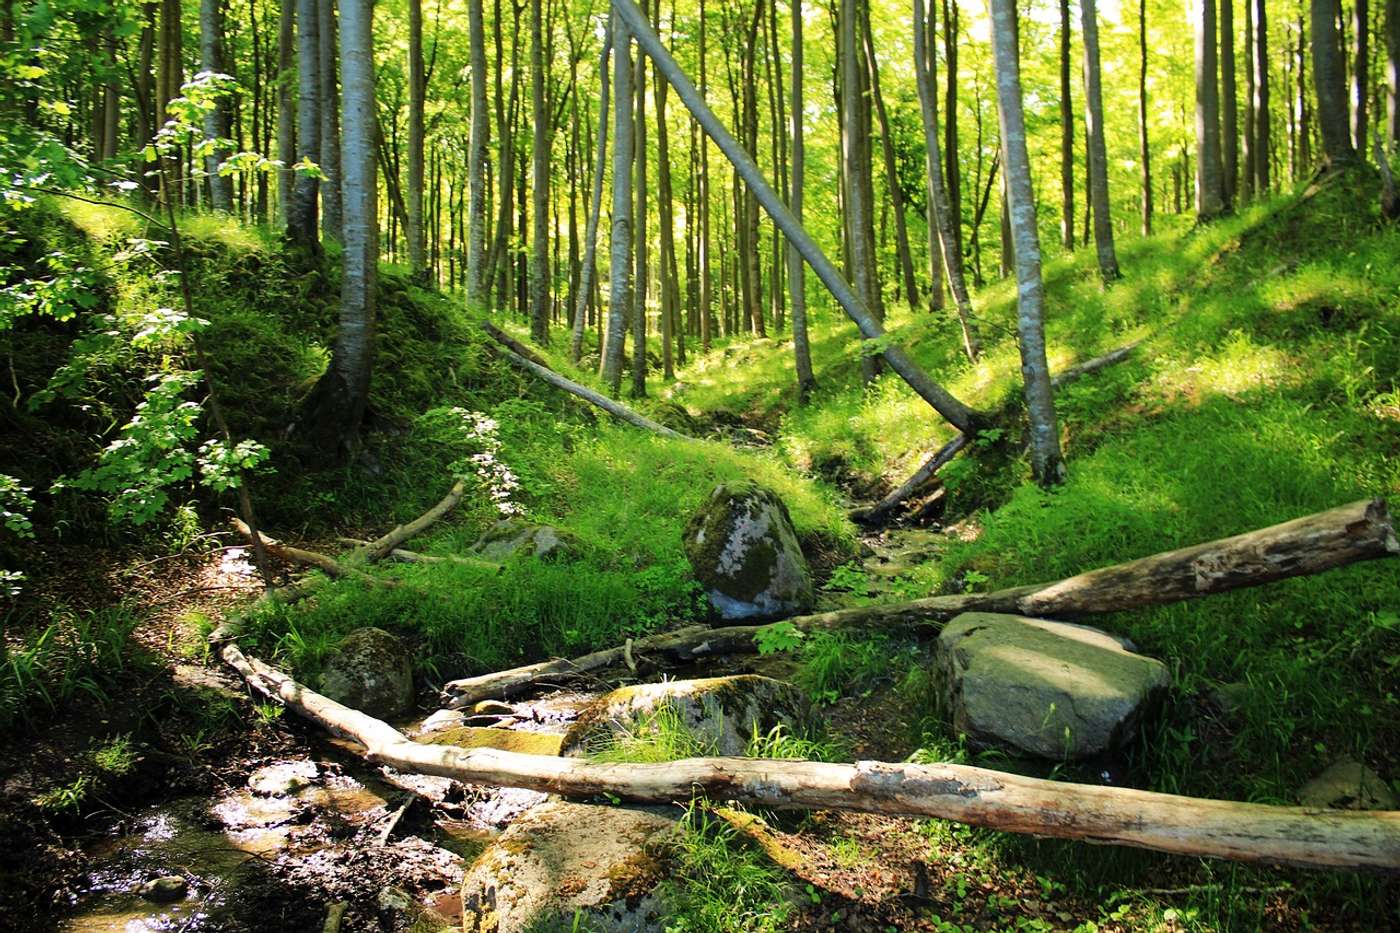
[
  {"x": 381, "y": 547},
  {"x": 1356, "y": 532},
  {"x": 1092, "y": 366},
  {"x": 976, "y": 796},
  {"x": 614, "y": 408},
  {"x": 500, "y": 336}
]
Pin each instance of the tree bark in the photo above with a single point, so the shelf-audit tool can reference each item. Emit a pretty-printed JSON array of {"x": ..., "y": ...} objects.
[
  {"x": 477, "y": 158},
  {"x": 286, "y": 107},
  {"x": 1262, "y": 144},
  {"x": 1229, "y": 107},
  {"x": 670, "y": 286},
  {"x": 620, "y": 254},
  {"x": 301, "y": 214},
  {"x": 170, "y": 78},
  {"x": 797, "y": 273},
  {"x": 1098, "y": 153},
  {"x": 901, "y": 226},
  {"x": 957, "y": 413},
  {"x": 216, "y": 122},
  {"x": 589, "y": 270},
  {"x": 1329, "y": 81},
  {"x": 1066, "y": 134},
  {"x": 1047, "y": 464},
  {"x": 417, "y": 90},
  {"x": 1210, "y": 191},
  {"x": 639, "y": 231},
  {"x": 855, "y": 167},
  {"x": 943, "y": 234},
  {"x": 952, "y": 158},
  {"x": 1392, "y": 74},
  {"x": 1248, "y": 139},
  {"x": 1360, "y": 74},
  {"x": 993, "y": 799},
  {"x": 539, "y": 182},
  {"x": 1144, "y": 147},
  {"x": 332, "y": 210}
]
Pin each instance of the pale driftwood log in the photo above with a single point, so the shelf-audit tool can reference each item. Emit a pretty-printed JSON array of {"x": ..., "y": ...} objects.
[
  {"x": 1093, "y": 365},
  {"x": 614, "y": 408},
  {"x": 976, "y": 796},
  {"x": 1356, "y": 532}
]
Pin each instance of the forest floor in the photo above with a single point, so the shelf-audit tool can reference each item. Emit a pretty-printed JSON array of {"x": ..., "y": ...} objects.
[{"x": 1264, "y": 387}]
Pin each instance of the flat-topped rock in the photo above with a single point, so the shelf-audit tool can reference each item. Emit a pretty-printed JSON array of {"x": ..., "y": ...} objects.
[
  {"x": 1348, "y": 785},
  {"x": 1049, "y": 689}
]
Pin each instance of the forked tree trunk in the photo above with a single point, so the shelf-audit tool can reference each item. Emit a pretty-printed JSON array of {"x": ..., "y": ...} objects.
[
  {"x": 957, "y": 413},
  {"x": 1047, "y": 464}
]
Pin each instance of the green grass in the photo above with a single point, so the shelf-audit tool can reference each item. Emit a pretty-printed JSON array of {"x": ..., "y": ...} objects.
[{"x": 721, "y": 884}]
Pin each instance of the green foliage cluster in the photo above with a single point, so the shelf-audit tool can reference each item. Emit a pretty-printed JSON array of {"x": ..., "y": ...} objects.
[{"x": 723, "y": 885}]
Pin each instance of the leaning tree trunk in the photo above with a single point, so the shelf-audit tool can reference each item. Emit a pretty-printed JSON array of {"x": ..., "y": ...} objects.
[
  {"x": 946, "y": 239},
  {"x": 957, "y": 413},
  {"x": 339, "y": 400},
  {"x": 477, "y": 158},
  {"x": 589, "y": 269},
  {"x": 620, "y": 254},
  {"x": 1329, "y": 80},
  {"x": 416, "y": 92},
  {"x": 1098, "y": 153},
  {"x": 216, "y": 123},
  {"x": 301, "y": 214},
  {"x": 1047, "y": 464},
  {"x": 331, "y": 207},
  {"x": 797, "y": 273},
  {"x": 1210, "y": 193},
  {"x": 539, "y": 183}
]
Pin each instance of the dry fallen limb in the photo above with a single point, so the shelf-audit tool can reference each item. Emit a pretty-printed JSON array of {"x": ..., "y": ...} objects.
[
  {"x": 612, "y": 407},
  {"x": 295, "y": 555},
  {"x": 979, "y": 797},
  {"x": 382, "y": 546},
  {"x": 1356, "y": 532},
  {"x": 1093, "y": 365},
  {"x": 500, "y": 336}
]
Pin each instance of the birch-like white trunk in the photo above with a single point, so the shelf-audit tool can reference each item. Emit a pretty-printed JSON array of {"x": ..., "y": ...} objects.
[{"x": 620, "y": 258}]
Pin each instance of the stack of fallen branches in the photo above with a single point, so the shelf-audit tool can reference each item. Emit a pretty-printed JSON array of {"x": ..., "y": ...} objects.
[{"x": 1190, "y": 826}]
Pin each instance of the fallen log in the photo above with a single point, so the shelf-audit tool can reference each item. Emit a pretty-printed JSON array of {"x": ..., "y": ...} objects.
[
  {"x": 978, "y": 797},
  {"x": 612, "y": 407},
  {"x": 500, "y": 336},
  {"x": 1348, "y": 534},
  {"x": 1092, "y": 366},
  {"x": 381, "y": 547}
]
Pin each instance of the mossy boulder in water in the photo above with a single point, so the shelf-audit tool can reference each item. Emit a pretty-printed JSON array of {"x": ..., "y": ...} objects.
[
  {"x": 572, "y": 866},
  {"x": 744, "y": 550},
  {"x": 1048, "y": 689},
  {"x": 371, "y": 671},
  {"x": 716, "y": 715}
]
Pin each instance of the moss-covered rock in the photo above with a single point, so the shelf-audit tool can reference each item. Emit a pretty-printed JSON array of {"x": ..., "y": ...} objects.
[
  {"x": 371, "y": 671},
  {"x": 566, "y": 862},
  {"x": 506, "y": 740},
  {"x": 743, "y": 549},
  {"x": 720, "y": 715},
  {"x": 1049, "y": 689},
  {"x": 511, "y": 536}
]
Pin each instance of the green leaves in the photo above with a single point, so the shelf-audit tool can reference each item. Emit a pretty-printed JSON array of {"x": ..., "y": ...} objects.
[
  {"x": 780, "y": 636},
  {"x": 221, "y": 467}
]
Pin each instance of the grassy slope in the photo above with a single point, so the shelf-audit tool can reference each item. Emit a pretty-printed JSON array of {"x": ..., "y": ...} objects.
[{"x": 1265, "y": 388}]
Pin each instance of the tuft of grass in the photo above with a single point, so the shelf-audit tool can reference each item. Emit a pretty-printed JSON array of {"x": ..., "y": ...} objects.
[
  {"x": 722, "y": 885},
  {"x": 658, "y": 737}
]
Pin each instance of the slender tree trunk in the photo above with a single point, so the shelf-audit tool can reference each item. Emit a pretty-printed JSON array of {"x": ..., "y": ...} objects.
[
  {"x": 146, "y": 93},
  {"x": 111, "y": 98},
  {"x": 539, "y": 182},
  {"x": 855, "y": 161},
  {"x": 1066, "y": 133},
  {"x": 706, "y": 297},
  {"x": 169, "y": 79},
  {"x": 942, "y": 234},
  {"x": 952, "y": 159},
  {"x": 1329, "y": 80},
  {"x": 670, "y": 287},
  {"x": 341, "y": 397},
  {"x": 749, "y": 254},
  {"x": 331, "y": 206},
  {"x": 639, "y": 235},
  {"x": 901, "y": 227},
  {"x": 1248, "y": 142},
  {"x": 477, "y": 158},
  {"x": 797, "y": 273},
  {"x": 1210, "y": 192},
  {"x": 417, "y": 90},
  {"x": 1144, "y": 144},
  {"x": 1261, "y": 97},
  {"x": 1229, "y": 106},
  {"x": 1098, "y": 154},
  {"x": 301, "y": 215},
  {"x": 216, "y": 122},
  {"x": 1046, "y": 462},
  {"x": 1392, "y": 74},
  {"x": 286, "y": 107},
  {"x": 1360, "y": 74},
  {"x": 620, "y": 255},
  {"x": 588, "y": 272}
]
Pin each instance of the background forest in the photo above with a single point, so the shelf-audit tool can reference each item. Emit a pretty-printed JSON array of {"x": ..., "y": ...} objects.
[{"x": 987, "y": 295}]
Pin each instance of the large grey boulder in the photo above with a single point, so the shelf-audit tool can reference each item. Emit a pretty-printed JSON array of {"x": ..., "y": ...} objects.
[
  {"x": 744, "y": 551},
  {"x": 1049, "y": 689},
  {"x": 566, "y": 862},
  {"x": 511, "y": 536},
  {"x": 720, "y": 715},
  {"x": 1348, "y": 785},
  {"x": 371, "y": 671}
]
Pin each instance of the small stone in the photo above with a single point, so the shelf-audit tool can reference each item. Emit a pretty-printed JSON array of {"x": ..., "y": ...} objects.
[
  {"x": 493, "y": 707},
  {"x": 283, "y": 778},
  {"x": 1348, "y": 785},
  {"x": 166, "y": 889}
]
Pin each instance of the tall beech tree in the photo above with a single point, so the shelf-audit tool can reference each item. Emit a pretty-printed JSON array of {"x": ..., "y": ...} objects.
[
  {"x": 797, "y": 273},
  {"x": 216, "y": 118},
  {"x": 1263, "y": 145},
  {"x": 1229, "y": 110},
  {"x": 539, "y": 181},
  {"x": 1330, "y": 83},
  {"x": 417, "y": 89},
  {"x": 1210, "y": 182},
  {"x": 301, "y": 213},
  {"x": 620, "y": 254},
  {"x": 1360, "y": 75},
  {"x": 1066, "y": 133},
  {"x": 478, "y": 157},
  {"x": 1098, "y": 151},
  {"x": 1047, "y": 463}
]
